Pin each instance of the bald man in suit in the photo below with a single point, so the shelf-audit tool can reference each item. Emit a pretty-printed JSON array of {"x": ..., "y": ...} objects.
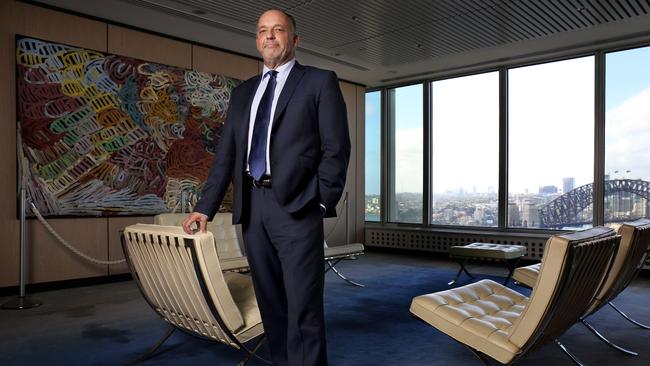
[{"x": 286, "y": 147}]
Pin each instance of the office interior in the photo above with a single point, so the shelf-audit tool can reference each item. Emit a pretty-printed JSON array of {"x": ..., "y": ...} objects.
[{"x": 497, "y": 121}]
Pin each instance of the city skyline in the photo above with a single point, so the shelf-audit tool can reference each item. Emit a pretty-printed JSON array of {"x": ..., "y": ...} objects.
[{"x": 628, "y": 110}]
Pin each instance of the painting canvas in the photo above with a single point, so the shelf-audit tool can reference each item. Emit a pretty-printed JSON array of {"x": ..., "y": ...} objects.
[{"x": 103, "y": 134}]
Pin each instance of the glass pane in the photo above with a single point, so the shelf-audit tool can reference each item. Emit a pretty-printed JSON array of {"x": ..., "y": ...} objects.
[
  {"x": 627, "y": 135},
  {"x": 373, "y": 156},
  {"x": 405, "y": 120},
  {"x": 551, "y": 145},
  {"x": 465, "y": 150}
]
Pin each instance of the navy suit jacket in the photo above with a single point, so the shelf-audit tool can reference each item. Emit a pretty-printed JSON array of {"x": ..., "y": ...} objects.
[{"x": 309, "y": 145}]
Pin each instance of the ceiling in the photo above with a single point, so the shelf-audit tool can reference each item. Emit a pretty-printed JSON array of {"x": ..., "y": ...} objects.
[{"x": 385, "y": 42}]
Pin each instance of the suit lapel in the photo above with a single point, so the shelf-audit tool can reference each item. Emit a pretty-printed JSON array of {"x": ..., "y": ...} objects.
[
  {"x": 245, "y": 123},
  {"x": 287, "y": 91}
]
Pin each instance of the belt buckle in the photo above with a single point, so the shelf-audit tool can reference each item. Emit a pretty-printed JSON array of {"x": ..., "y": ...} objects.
[
  {"x": 254, "y": 182},
  {"x": 262, "y": 183}
]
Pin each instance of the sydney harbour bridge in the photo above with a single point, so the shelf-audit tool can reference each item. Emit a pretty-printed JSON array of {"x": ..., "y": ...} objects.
[{"x": 565, "y": 210}]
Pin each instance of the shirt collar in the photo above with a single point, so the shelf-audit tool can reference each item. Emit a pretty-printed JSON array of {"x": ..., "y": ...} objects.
[{"x": 282, "y": 70}]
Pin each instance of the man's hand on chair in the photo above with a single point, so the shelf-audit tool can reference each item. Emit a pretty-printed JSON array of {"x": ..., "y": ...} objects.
[{"x": 199, "y": 218}]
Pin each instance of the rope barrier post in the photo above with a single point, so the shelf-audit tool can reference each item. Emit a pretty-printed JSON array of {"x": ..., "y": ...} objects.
[{"x": 22, "y": 301}]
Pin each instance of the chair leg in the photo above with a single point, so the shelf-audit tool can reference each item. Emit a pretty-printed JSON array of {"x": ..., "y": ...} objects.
[
  {"x": 460, "y": 270},
  {"x": 154, "y": 348},
  {"x": 511, "y": 264},
  {"x": 607, "y": 341},
  {"x": 480, "y": 356},
  {"x": 331, "y": 266},
  {"x": 252, "y": 353},
  {"x": 568, "y": 353},
  {"x": 640, "y": 325}
]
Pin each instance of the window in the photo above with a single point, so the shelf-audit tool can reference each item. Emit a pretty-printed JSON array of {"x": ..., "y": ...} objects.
[
  {"x": 406, "y": 153},
  {"x": 465, "y": 150},
  {"x": 551, "y": 144},
  {"x": 627, "y": 132},
  {"x": 373, "y": 156}
]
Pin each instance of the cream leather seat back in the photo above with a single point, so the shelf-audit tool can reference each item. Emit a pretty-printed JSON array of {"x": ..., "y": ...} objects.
[
  {"x": 181, "y": 278},
  {"x": 628, "y": 262},
  {"x": 221, "y": 227},
  {"x": 572, "y": 271}
]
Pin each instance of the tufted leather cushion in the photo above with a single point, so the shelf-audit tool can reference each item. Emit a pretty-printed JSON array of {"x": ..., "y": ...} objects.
[
  {"x": 527, "y": 275},
  {"x": 480, "y": 314},
  {"x": 241, "y": 289},
  {"x": 486, "y": 250},
  {"x": 345, "y": 250}
]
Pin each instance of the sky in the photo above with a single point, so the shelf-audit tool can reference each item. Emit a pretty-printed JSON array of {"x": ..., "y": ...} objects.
[{"x": 551, "y": 117}]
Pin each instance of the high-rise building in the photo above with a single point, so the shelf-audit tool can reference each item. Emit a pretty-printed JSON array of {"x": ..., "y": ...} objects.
[
  {"x": 530, "y": 213},
  {"x": 513, "y": 214},
  {"x": 547, "y": 190},
  {"x": 568, "y": 184},
  {"x": 479, "y": 213}
]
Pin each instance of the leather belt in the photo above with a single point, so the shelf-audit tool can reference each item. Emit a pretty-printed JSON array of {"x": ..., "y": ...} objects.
[{"x": 264, "y": 182}]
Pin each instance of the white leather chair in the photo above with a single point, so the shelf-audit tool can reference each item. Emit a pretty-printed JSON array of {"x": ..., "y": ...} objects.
[
  {"x": 181, "y": 278},
  {"x": 491, "y": 319},
  {"x": 629, "y": 260}
]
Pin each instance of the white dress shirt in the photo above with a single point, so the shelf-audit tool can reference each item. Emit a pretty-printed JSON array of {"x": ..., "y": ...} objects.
[{"x": 281, "y": 79}]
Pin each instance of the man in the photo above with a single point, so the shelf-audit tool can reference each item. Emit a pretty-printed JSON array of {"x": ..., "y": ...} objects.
[{"x": 286, "y": 147}]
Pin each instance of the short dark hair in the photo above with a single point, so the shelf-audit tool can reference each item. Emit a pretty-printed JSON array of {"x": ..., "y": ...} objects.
[{"x": 291, "y": 18}]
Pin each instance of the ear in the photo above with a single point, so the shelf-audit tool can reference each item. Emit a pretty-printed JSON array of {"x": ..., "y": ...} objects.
[{"x": 296, "y": 40}]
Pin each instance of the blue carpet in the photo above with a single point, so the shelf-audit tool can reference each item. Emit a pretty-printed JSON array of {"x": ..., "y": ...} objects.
[{"x": 111, "y": 324}]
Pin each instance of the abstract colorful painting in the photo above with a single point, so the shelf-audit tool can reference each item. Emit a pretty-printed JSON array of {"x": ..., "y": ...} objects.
[{"x": 105, "y": 135}]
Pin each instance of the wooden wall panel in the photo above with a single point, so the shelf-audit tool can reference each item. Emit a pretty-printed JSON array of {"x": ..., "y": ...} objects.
[
  {"x": 223, "y": 63},
  {"x": 360, "y": 190},
  {"x": 144, "y": 46},
  {"x": 115, "y": 225},
  {"x": 8, "y": 223},
  {"x": 50, "y": 261},
  {"x": 55, "y": 26},
  {"x": 29, "y": 20}
]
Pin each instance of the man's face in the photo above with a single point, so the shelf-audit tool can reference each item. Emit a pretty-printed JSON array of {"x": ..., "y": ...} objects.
[{"x": 276, "y": 41}]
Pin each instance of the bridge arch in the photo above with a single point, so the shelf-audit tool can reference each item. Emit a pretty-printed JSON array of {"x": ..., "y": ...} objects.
[{"x": 564, "y": 210}]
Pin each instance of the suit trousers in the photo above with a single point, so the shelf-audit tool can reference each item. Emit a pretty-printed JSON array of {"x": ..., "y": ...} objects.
[{"x": 285, "y": 253}]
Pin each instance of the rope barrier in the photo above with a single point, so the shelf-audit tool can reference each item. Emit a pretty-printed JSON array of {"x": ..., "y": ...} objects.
[
  {"x": 68, "y": 245},
  {"x": 119, "y": 261}
]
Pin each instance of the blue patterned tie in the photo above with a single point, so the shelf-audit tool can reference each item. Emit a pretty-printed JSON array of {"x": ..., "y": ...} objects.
[{"x": 257, "y": 155}]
